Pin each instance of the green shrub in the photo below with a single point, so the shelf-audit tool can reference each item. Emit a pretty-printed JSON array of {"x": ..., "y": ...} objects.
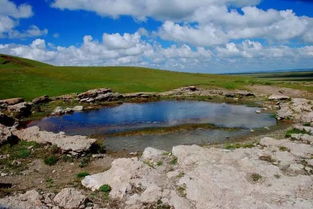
[
  {"x": 105, "y": 188},
  {"x": 23, "y": 153},
  {"x": 82, "y": 174},
  {"x": 294, "y": 131},
  {"x": 159, "y": 163},
  {"x": 51, "y": 160}
]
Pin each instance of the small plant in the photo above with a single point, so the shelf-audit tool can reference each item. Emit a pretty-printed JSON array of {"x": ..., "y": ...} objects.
[
  {"x": 82, "y": 174},
  {"x": 49, "y": 182},
  {"x": 159, "y": 163},
  {"x": 181, "y": 190},
  {"x": 173, "y": 161},
  {"x": 181, "y": 174},
  {"x": 307, "y": 124},
  {"x": 161, "y": 205},
  {"x": 294, "y": 131},
  {"x": 54, "y": 149},
  {"x": 105, "y": 188},
  {"x": 284, "y": 149},
  {"x": 149, "y": 163},
  {"x": 51, "y": 160},
  {"x": 255, "y": 177},
  {"x": 84, "y": 162}
]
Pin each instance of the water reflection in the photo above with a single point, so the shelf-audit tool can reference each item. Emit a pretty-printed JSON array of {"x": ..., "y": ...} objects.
[{"x": 130, "y": 116}]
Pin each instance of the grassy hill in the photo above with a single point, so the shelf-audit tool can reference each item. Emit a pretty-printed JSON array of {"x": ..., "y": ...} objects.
[
  {"x": 29, "y": 79},
  {"x": 7, "y": 61}
]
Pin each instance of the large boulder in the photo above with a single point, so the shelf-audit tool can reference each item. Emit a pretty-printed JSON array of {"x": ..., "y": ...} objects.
[
  {"x": 73, "y": 144},
  {"x": 70, "y": 198},
  {"x": 94, "y": 93},
  {"x": 6, "y": 134},
  {"x": 29, "y": 200},
  {"x": 239, "y": 94},
  {"x": 20, "y": 110},
  {"x": 61, "y": 111},
  {"x": 298, "y": 109},
  {"x": 108, "y": 97},
  {"x": 6, "y": 120},
  {"x": 278, "y": 97},
  {"x": 67, "y": 198},
  {"x": 99, "y": 95},
  {"x": 41, "y": 100}
]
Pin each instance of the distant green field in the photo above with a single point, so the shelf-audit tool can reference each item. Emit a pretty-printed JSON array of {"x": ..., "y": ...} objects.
[
  {"x": 29, "y": 79},
  {"x": 285, "y": 76}
]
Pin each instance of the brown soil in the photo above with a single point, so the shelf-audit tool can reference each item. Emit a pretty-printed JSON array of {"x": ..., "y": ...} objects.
[
  {"x": 268, "y": 90},
  {"x": 52, "y": 178}
]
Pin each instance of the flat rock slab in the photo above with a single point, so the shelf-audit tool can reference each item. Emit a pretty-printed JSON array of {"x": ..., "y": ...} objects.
[
  {"x": 278, "y": 97},
  {"x": 67, "y": 198},
  {"x": 11, "y": 101},
  {"x": 76, "y": 143},
  {"x": 196, "y": 177}
]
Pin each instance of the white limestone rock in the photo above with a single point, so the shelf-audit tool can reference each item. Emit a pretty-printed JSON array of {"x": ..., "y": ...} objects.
[{"x": 75, "y": 144}]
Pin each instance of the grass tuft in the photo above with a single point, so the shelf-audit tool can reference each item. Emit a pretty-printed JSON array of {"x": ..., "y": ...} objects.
[
  {"x": 294, "y": 131},
  {"x": 105, "y": 188},
  {"x": 51, "y": 160},
  {"x": 237, "y": 146},
  {"x": 255, "y": 177},
  {"x": 82, "y": 174}
]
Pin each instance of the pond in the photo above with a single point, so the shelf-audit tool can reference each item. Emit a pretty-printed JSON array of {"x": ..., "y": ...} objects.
[{"x": 111, "y": 122}]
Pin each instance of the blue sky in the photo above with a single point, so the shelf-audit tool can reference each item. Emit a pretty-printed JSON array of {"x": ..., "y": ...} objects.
[{"x": 213, "y": 36}]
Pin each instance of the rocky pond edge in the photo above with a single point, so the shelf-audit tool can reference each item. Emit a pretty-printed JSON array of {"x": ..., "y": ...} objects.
[{"x": 274, "y": 173}]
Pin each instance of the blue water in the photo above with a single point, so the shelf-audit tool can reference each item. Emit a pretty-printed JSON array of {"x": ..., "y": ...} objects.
[{"x": 132, "y": 116}]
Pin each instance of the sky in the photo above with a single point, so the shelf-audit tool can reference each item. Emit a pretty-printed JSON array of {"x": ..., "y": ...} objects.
[{"x": 205, "y": 36}]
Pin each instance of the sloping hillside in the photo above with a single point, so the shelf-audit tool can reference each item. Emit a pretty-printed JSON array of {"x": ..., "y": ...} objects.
[
  {"x": 7, "y": 61},
  {"x": 28, "y": 79}
]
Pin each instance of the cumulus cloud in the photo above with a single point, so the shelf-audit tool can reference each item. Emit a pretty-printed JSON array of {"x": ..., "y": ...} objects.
[
  {"x": 218, "y": 25},
  {"x": 10, "y": 13},
  {"x": 32, "y": 31},
  {"x": 134, "y": 50},
  {"x": 159, "y": 9},
  {"x": 205, "y": 22}
]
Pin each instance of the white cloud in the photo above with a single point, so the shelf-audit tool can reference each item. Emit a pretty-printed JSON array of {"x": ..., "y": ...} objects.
[
  {"x": 10, "y": 13},
  {"x": 113, "y": 50},
  {"x": 8, "y": 8},
  {"x": 205, "y": 22},
  {"x": 32, "y": 31},
  {"x": 159, "y": 9},
  {"x": 218, "y": 25}
]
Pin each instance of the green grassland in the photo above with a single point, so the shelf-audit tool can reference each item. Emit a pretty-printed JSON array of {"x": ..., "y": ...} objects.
[
  {"x": 29, "y": 79},
  {"x": 285, "y": 76},
  {"x": 302, "y": 80}
]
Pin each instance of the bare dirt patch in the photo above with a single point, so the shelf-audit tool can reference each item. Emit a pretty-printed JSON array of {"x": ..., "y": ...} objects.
[{"x": 268, "y": 90}]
